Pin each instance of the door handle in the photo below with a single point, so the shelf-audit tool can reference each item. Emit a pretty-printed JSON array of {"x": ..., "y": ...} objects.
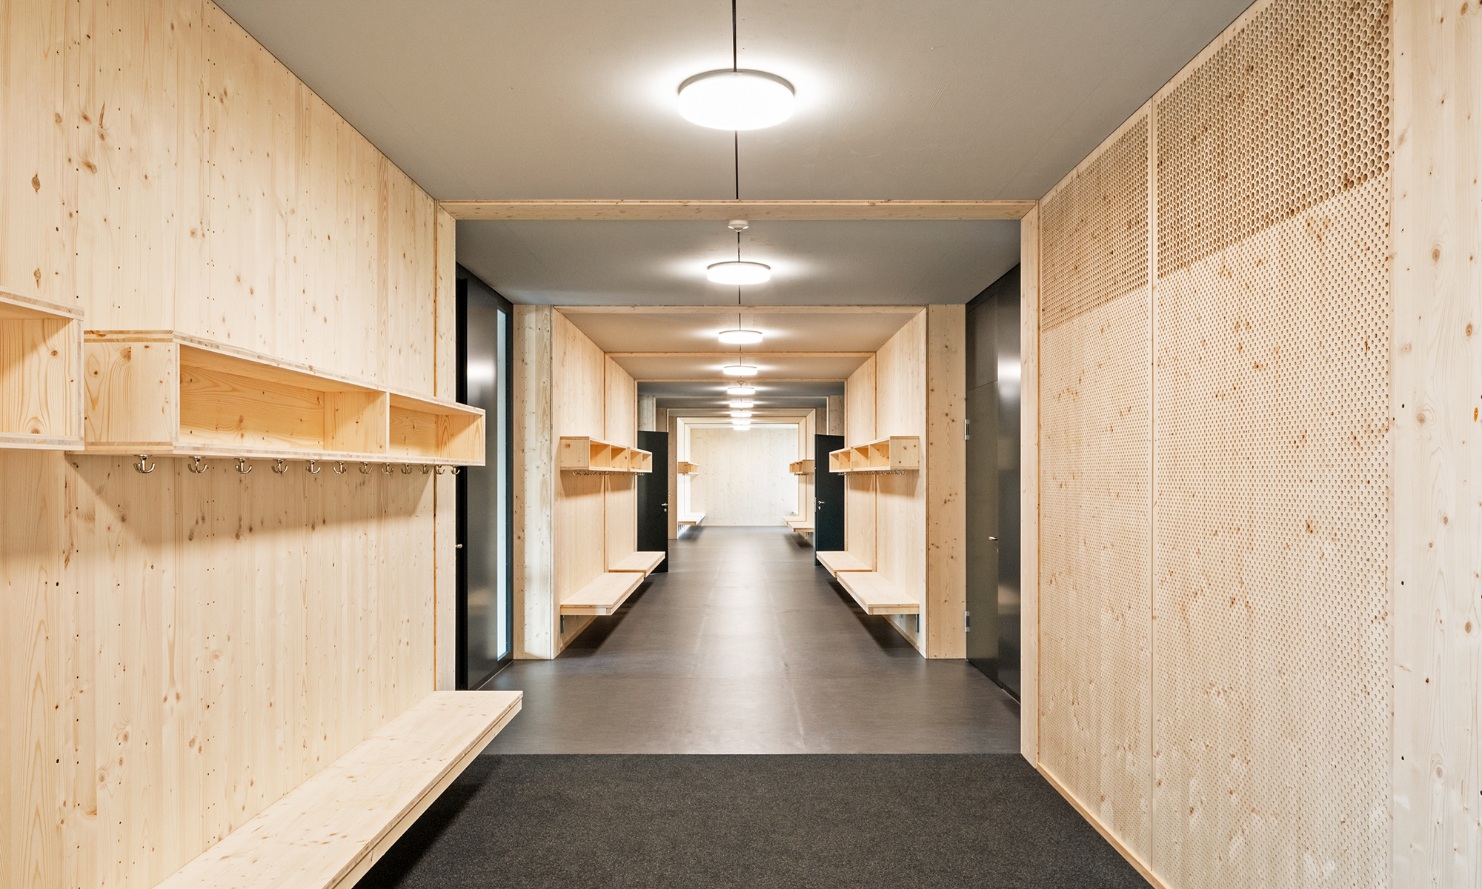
[{"x": 994, "y": 539}]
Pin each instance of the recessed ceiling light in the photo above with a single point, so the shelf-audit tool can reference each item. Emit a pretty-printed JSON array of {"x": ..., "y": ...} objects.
[
  {"x": 739, "y": 370},
  {"x": 736, "y": 271},
  {"x": 741, "y": 337},
  {"x": 745, "y": 415},
  {"x": 742, "y": 391},
  {"x": 736, "y": 99}
]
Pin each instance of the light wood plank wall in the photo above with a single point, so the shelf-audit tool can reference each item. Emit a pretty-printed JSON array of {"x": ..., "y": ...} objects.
[
  {"x": 568, "y": 527},
  {"x": 1292, "y": 701},
  {"x": 911, "y": 527},
  {"x": 181, "y": 650},
  {"x": 1436, "y": 400}
]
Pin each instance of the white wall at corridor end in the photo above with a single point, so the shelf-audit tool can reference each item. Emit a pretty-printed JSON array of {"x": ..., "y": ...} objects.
[{"x": 743, "y": 477}]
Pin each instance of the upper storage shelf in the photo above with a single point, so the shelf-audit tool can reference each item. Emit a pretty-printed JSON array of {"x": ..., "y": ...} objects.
[
  {"x": 581, "y": 454},
  {"x": 161, "y": 393},
  {"x": 40, "y": 374},
  {"x": 801, "y": 467},
  {"x": 899, "y": 453},
  {"x": 684, "y": 467}
]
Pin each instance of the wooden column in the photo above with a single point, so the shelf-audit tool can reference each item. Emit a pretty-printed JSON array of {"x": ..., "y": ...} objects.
[
  {"x": 1029, "y": 486},
  {"x": 946, "y": 462},
  {"x": 533, "y": 472}
]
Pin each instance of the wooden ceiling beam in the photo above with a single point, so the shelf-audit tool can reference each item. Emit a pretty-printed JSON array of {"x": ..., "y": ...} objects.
[{"x": 721, "y": 211}]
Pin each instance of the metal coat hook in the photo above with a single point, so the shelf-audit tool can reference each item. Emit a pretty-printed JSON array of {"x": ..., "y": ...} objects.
[
  {"x": 365, "y": 469},
  {"x": 339, "y": 468},
  {"x": 406, "y": 469},
  {"x": 279, "y": 467},
  {"x": 242, "y": 466},
  {"x": 386, "y": 468},
  {"x": 440, "y": 469},
  {"x": 313, "y": 468},
  {"x": 143, "y": 458},
  {"x": 197, "y": 466},
  {"x": 457, "y": 470},
  {"x": 426, "y": 468}
]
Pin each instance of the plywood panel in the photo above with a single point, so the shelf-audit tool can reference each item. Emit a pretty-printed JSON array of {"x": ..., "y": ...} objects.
[
  {"x": 859, "y": 401},
  {"x": 38, "y": 188},
  {"x": 1029, "y": 481},
  {"x": 1273, "y": 459},
  {"x": 200, "y": 643},
  {"x": 446, "y": 486},
  {"x": 900, "y": 500},
  {"x": 1437, "y": 393},
  {"x": 1095, "y": 474},
  {"x": 743, "y": 477},
  {"x": 621, "y": 505},
  {"x": 859, "y": 491},
  {"x": 578, "y": 397}
]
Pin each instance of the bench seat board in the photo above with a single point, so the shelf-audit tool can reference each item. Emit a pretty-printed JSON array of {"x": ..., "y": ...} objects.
[
  {"x": 328, "y": 831},
  {"x": 841, "y": 561},
  {"x": 604, "y": 595},
  {"x": 876, "y": 595},
  {"x": 642, "y": 562}
]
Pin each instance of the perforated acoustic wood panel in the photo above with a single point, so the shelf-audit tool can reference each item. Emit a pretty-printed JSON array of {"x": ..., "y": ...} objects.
[
  {"x": 1100, "y": 223},
  {"x": 1271, "y": 647},
  {"x": 1095, "y": 390}
]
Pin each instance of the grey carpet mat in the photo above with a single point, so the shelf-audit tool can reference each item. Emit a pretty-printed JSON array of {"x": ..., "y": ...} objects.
[{"x": 614, "y": 822}]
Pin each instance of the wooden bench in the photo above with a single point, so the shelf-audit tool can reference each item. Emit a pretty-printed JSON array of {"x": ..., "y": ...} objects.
[
  {"x": 841, "y": 561},
  {"x": 876, "y": 595},
  {"x": 328, "y": 831},
  {"x": 604, "y": 595},
  {"x": 642, "y": 562},
  {"x": 692, "y": 519}
]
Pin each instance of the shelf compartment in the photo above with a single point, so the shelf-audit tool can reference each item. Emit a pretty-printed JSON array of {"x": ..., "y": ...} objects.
[
  {"x": 40, "y": 374},
  {"x": 684, "y": 467},
  {"x": 423, "y": 429},
  {"x": 899, "y": 453},
  {"x": 163, "y": 393},
  {"x": 239, "y": 405},
  {"x": 579, "y": 453},
  {"x": 801, "y": 467}
]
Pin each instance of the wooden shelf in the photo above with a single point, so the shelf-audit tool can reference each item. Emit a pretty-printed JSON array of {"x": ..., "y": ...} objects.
[
  {"x": 40, "y": 374},
  {"x": 641, "y": 562},
  {"x": 835, "y": 562},
  {"x": 163, "y": 393},
  {"x": 577, "y": 453},
  {"x": 692, "y": 519},
  {"x": 801, "y": 467},
  {"x": 686, "y": 468},
  {"x": 604, "y": 595},
  {"x": 876, "y": 595},
  {"x": 328, "y": 831},
  {"x": 899, "y": 453}
]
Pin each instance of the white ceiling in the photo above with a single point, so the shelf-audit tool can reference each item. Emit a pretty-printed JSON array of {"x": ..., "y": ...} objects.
[{"x": 953, "y": 99}]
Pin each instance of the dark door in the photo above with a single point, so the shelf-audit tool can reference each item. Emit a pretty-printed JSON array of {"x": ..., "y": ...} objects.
[
  {"x": 653, "y": 498},
  {"x": 982, "y": 541},
  {"x": 484, "y": 567},
  {"x": 828, "y": 489}
]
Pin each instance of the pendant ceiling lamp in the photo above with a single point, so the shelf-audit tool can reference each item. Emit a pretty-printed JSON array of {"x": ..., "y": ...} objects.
[
  {"x": 741, "y": 405},
  {"x": 735, "y": 271},
  {"x": 741, "y": 415},
  {"x": 741, "y": 336},
  {"x": 741, "y": 391},
  {"x": 736, "y": 98},
  {"x": 739, "y": 370}
]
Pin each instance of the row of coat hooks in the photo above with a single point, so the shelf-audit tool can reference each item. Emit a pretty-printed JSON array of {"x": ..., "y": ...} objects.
[{"x": 198, "y": 466}]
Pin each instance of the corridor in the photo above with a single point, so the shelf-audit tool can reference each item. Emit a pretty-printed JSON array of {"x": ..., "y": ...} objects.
[{"x": 744, "y": 646}]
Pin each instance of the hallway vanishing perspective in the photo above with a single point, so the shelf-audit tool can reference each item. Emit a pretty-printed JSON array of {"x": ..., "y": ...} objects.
[{"x": 744, "y": 646}]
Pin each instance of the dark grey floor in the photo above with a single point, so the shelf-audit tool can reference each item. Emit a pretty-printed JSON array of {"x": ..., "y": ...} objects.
[
  {"x": 745, "y": 647},
  {"x": 716, "y": 822}
]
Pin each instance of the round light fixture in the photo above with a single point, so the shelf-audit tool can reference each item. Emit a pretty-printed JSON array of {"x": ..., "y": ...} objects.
[
  {"x": 741, "y": 337},
  {"x": 742, "y": 404},
  {"x": 736, "y": 99},
  {"x": 744, "y": 415},
  {"x": 743, "y": 425},
  {"x": 739, "y": 370},
  {"x": 738, "y": 272},
  {"x": 741, "y": 391}
]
